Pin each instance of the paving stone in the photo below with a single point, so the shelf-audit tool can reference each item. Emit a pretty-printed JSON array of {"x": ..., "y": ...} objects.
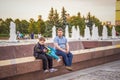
[{"x": 108, "y": 71}]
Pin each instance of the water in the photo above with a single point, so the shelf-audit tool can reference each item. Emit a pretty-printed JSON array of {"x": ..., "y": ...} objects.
[
  {"x": 104, "y": 33},
  {"x": 53, "y": 32},
  {"x": 12, "y": 32},
  {"x": 66, "y": 32},
  {"x": 78, "y": 33},
  {"x": 87, "y": 33},
  {"x": 73, "y": 32},
  {"x": 113, "y": 32},
  {"x": 95, "y": 33}
]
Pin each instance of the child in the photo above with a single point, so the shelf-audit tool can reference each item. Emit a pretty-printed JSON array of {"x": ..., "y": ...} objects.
[
  {"x": 40, "y": 53},
  {"x": 51, "y": 52}
]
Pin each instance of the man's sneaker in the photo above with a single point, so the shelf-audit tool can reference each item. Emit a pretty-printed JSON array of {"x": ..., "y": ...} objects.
[
  {"x": 59, "y": 60},
  {"x": 45, "y": 71},
  {"x": 53, "y": 70},
  {"x": 69, "y": 68}
]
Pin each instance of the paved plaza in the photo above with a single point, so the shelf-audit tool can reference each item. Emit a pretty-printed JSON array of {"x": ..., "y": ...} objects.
[{"x": 108, "y": 71}]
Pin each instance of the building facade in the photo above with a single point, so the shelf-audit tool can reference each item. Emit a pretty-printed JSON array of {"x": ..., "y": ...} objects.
[{"x": 117, "y": 19}]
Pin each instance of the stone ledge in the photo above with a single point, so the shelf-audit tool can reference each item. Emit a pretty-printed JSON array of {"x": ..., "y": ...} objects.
[
  {"x": 19, "y": 51},
  {"x": 33, "y": 66},
  {"x": 40, "y": 75}
]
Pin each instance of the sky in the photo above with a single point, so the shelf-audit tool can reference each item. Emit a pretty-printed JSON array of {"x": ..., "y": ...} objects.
[{"x": 26, "y": 9}]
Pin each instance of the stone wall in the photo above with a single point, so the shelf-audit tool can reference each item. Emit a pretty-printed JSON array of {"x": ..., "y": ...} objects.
[{"x": 18, "y": 63}]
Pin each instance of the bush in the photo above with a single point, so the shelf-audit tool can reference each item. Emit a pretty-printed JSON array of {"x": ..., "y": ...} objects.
[
  {"x": 4, "y": 35},
  {"x": 47, "y": 35}
]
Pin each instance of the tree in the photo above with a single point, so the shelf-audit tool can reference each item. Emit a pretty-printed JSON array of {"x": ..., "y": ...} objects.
[
  {"x": 18, "y": 24},
  {"x": 63, "y": 18},
  {"x": 56, "y": 19},
  {"x": 3, "y": 27},
  {"x": 48, "y": 30},
  {"x": 53, "y": 20},
  {"x": 93, "y": 20},
  {"x": 77, "y": 21},
  {"x": 40, "y": 25},
  {"x": 50, "y": 17},
  {"x": 6, "y": 25},
  {"x": 24, "y": 26},
  {"x": 32, "y": 26},
  {"x": 117, "y": 28}
]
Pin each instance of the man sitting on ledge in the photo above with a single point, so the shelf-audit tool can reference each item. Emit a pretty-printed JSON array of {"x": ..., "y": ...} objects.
[{"x": 62, "y": 49}]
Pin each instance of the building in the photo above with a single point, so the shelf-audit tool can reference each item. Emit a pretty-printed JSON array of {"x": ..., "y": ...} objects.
[{"x": 117, "y": 19}]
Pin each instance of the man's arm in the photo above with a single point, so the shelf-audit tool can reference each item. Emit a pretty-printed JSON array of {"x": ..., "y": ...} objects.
[
  {"x": 58, "y": 47},
  {"x": 67, "y": 47}
]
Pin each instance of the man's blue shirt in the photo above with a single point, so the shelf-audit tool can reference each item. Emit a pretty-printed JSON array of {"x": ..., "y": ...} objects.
[{"x": 61, "y": 41}]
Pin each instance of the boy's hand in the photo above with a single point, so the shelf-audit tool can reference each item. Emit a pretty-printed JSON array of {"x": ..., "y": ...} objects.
[{"x": 45, "y": 50}]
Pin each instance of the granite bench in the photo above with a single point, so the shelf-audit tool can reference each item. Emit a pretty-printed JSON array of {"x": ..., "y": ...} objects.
[{"x": 19, "y": 63}]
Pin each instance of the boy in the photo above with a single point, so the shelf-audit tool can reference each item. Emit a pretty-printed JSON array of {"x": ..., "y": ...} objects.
[{"x": 40, "y": 53}]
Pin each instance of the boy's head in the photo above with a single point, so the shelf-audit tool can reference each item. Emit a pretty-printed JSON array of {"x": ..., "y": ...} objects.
[
  {"x": 60, "y": 32},
  {"x": 42, "y": 40}
]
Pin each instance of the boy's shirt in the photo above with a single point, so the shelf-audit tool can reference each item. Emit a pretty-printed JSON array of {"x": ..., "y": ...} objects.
[{"x": 38, "y": 49}]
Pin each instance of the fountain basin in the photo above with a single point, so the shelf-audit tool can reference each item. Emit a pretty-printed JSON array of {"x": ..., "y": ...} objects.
[{"x": 16, "y": 65}]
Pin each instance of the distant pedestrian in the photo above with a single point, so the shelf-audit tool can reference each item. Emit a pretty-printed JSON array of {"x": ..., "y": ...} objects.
[
  {"x": 39, "y": 35},
  {"x": 32, "y": 35}
]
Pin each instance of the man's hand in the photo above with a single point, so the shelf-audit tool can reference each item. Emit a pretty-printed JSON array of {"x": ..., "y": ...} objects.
[{"x": 67, "y": 51}]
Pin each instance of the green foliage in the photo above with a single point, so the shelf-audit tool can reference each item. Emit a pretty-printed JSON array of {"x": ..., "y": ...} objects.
[
  {"x": 4, "y": 26},
  {"x": 100, "y": 29},
  {"x": 4, "y": 35},
  {"x": 48, "y": 31},
  {"x": 63, "y": 19},
  {"x": 51, "y": 16},
  {"x": 93, "y": 20},
  {"x": 56, "y": 19},
  {"x": 45, "y": 27},
  {"x": 22, "y": 26},
  {"x": 77, "y": 21},
  {"x": 117, "y": 28},
  {"x": 32, "y": 26},
  {"x": 109, "y": 28},
  {"x": 40, "y": 26}
]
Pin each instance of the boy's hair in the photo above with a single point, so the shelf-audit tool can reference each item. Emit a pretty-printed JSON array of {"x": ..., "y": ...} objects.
[
  {"x": 59, "y": 29},
  {"x": 41, "y": 39}
]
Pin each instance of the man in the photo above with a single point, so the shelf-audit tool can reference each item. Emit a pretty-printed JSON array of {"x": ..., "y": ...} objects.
[{"x": 62, "y": 49}]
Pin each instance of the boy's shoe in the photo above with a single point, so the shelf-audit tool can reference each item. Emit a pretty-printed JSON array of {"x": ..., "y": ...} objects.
[
  {"x": 69, "y": 68},
  {"x": 59, "y": 60},
  {"x": 53, "y": 70},
  {"x": 45, "y": 71}
]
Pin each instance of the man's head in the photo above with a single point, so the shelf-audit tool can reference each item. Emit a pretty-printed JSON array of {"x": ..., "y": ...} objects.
[
  {"x": 42, "y": 40},
  {"x": 60, "y": 32}
]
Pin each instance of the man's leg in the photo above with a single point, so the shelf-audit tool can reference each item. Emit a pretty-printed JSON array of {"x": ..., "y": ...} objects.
[
  {"x": 70, "y": 57},
  {"x": 64, "y": 56}
]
